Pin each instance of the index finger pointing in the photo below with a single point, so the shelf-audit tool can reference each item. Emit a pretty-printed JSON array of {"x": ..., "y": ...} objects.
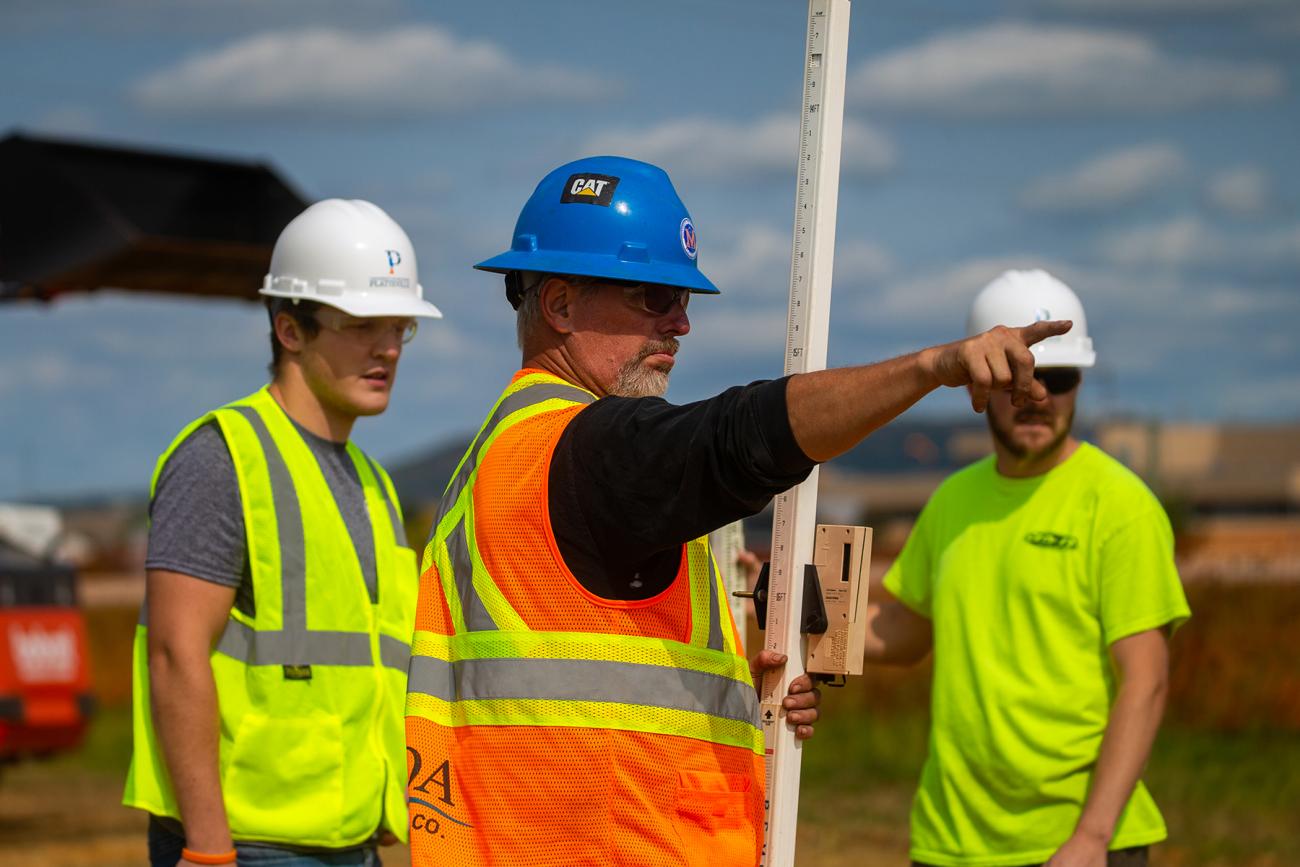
[{"x": 1031, "y": 334}]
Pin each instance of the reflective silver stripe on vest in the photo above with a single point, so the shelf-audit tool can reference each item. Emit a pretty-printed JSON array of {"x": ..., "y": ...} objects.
[
  {"x": 715, "y": 609},
  {"x": 585, "y": 680},
  {"x": 471, "y": 604},
  {"x": 370, "y": 569},
  {"x": 284, "y": 647},
  {"x": 475, "y": 613},
  {"x": 288, "y": 522},
  {"x": 293, "y": 643},
  {"x": 394, "y": 653},
  {"x": 521, "y": 399},
  {"x": 399, "y": 532},
  {"x": 431, "y": 676},
  {"x": 318, "y": 647}
]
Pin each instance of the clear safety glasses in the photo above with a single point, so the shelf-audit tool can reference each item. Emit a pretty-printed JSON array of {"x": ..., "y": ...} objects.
[{"x": 368, "y": 329}]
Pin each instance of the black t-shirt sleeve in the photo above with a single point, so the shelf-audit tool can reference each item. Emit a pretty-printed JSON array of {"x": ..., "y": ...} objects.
[{"x": 632, "y": 479}]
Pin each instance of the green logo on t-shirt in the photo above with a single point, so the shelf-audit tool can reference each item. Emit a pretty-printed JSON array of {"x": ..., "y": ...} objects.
[{"x": 1059, "y": 541}]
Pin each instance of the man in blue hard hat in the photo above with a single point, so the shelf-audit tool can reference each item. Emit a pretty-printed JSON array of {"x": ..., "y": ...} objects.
[{"x": 576, "y": 685}]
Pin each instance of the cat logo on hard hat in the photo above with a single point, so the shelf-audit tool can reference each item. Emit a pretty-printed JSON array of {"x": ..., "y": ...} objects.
[
  {"x": 589, "y": 190},
  {"x": 688, "y": 236}
]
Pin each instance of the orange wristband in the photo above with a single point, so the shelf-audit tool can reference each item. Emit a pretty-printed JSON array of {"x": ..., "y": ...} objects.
[{"x": 204, "y": 858}]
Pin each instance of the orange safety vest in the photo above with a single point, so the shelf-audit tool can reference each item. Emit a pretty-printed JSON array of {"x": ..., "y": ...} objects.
[{"x": 548, "y": 726}]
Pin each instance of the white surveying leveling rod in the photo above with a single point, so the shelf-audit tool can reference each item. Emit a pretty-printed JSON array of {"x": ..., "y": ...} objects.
[{"x": 795, "y": 511}]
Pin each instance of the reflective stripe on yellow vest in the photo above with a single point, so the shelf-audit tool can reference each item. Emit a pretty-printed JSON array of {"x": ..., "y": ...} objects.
[
  {"x": 496, "y": 671},
  {"x": 311, "y": 676}
]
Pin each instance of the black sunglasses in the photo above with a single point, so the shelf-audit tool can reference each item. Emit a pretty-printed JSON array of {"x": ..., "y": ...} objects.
[
  {"x": 654, "y": 298},
  {"x": 1059, "y": 380}
]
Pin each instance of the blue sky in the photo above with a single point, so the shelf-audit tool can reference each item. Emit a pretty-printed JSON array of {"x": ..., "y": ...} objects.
[{"x": 1144, "y": 150}]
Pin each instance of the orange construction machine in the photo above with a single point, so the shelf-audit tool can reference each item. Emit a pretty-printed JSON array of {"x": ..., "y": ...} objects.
[{"x": 45, "y": 693}]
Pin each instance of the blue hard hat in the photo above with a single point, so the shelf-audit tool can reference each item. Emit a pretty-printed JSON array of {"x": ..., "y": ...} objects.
[{"x": 606, "y": 217}]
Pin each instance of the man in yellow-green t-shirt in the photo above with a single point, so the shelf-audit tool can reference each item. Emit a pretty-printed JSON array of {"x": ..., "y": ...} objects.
[{"x": 1043, "y": 579}]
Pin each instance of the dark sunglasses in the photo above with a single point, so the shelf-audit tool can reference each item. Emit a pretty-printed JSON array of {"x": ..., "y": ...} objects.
[
  {"x": 653, "y": 298},
  {"x": 1059, "y": 380}
]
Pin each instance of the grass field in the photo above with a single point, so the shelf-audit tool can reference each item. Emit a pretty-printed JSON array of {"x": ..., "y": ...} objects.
[
  {"x": 1231, "y": 799},
  {"x": 1225, "y": 769}
]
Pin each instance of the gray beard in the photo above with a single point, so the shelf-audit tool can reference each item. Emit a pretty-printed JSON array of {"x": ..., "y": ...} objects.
[{"x": 637, "y": 380}]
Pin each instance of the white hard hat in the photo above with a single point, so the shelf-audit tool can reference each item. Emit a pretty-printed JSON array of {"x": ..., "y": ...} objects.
[
  {"x": 1019, "y": 298},
  {"x": 351, "y": 255}
]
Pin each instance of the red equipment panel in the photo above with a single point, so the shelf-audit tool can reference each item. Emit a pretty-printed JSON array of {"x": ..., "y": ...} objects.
[{"x": 45, "y": 697}]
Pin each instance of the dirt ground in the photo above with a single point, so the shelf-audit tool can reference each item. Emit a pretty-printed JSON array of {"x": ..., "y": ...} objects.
[
  {"x": 66, "y": 820},
  {"x": 72, "y": 819},
  {"x": 1229, "y": 801},
  {"x": 1226, "y": 769}
]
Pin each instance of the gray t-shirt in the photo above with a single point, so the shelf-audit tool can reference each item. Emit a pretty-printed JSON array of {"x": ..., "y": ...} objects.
[{"x": 197, "y": 520}]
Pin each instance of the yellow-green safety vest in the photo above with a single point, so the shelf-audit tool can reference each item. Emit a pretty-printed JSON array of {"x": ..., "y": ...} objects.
[{"x": 311, "y": 678}]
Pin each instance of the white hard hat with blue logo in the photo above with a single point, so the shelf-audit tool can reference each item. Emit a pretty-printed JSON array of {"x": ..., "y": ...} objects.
[{"x": 349, "y": 254}]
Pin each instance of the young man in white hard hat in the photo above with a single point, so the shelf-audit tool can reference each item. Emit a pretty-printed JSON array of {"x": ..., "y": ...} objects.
[
  {"x": 1043, "y": 579},
  {"x": 577, "y": 689},
  {"x": 271, "y": 655}
]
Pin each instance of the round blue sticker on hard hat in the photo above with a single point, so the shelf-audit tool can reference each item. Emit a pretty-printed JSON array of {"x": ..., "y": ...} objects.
[{"x": 688, "y": 236}]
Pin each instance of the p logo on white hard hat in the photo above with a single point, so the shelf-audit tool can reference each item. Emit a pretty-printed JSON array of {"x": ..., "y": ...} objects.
[{"x": 351, "y": 255}]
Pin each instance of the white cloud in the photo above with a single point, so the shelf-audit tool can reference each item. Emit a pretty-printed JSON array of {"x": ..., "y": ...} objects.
[
  {"x": 1230, "y": 300},
  {"x": 1018, "y": 69},
  {"x": 1183, "y": 241},
  {"x": 1284, "y": 25},
  {"x": 1242, "y": 191},
  {"x": 702, "y": 146},
  {"x": 1277, "y": 347},
  {"x": 946, "y": 294},
  {"x": 1108, "y": 181},
  {"x": 49, "y": 371},
  {"x": 756, "y": 261},
  {"x": 1118, "y": 291},
  {"x": 731, "y": 331},
  {"x": 1142, "y": 318},
  {"x": 1279, "y": 246},
  {"x": 861, "y": 262},
  {"x": 1186, "y": 242},
  {"x": 329, "y": 72},
  {"x": 74, "y": 120},
  {"x": 751, "y": 265},
  {"x": 1176, "y": 7}
]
